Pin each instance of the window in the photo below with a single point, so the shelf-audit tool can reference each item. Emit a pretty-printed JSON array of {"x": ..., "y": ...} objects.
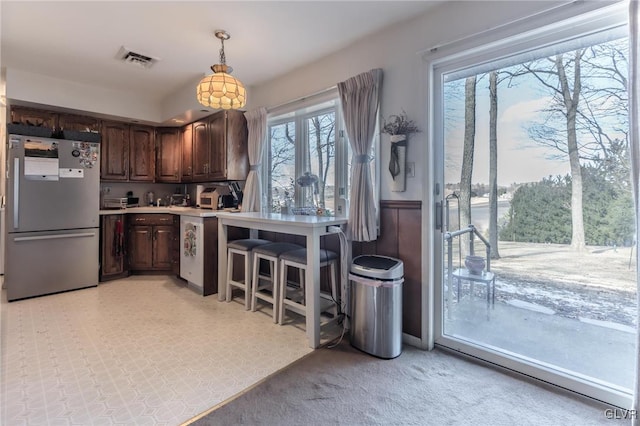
[{"x": 307, "y": 156}]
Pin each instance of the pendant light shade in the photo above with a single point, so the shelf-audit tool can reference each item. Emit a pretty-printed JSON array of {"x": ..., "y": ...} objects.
[{"x": 220, "y": 89}]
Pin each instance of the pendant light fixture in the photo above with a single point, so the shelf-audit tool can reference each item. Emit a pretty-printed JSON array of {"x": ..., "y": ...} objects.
[{"x": 220, "y": 89}]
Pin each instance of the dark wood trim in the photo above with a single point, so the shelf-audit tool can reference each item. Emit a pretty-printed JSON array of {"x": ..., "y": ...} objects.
[{"x": 401, "y": 204}]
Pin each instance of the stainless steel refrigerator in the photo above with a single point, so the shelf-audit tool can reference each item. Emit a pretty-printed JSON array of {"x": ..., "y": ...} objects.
[{"x": 52, "y": 216}]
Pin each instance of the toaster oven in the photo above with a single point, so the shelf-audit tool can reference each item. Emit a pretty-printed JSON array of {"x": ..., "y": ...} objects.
[{"x": 209, "y": 199}]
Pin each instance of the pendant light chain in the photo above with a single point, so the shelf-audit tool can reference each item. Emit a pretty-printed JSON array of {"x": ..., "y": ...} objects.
[{"x": 223, "y": 58}]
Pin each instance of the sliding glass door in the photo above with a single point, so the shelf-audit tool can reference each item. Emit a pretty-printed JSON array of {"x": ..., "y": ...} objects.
[{"x": 536, "y": 249}]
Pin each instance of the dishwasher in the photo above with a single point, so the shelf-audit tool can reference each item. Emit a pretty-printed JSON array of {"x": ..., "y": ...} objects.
[{"x": 192, "y": 252}]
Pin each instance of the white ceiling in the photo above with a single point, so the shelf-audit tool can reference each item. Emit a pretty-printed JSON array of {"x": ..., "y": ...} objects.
[{"x": 78, "y": 41}]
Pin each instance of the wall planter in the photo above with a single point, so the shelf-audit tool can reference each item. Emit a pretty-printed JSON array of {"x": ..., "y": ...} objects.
[
  {"x": 398, "y": 127},
  {"x": 398, "y": 162}
]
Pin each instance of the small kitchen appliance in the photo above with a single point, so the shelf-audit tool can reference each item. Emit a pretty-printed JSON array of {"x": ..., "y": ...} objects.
[{"x": 209, "y": 199}]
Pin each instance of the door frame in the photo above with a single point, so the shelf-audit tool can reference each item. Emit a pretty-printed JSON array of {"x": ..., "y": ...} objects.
[{"x": 551, "y": 26}]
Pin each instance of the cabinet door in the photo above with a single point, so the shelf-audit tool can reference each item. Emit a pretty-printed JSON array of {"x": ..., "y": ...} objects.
[
  {"x": 142, "y": 154},
  {"x": 141, "y": 247},
  {"x": 200, "y": 152},
  {"x": 169, "y": 157},
  {"x": 78, "y": 123},
  {"x": 237, "y": 144},
  {"x": 210, "y": 276},
  {"x": 33, "y": 117},
  {"x": 162, "y": 246},
  {"x": 114, "y": 151},
  {"x": 187, "y": 153},
  {"x": 112, "y": 248},
  {"x": 217, "y": 147},
  {"x": 175, "y": 246}
]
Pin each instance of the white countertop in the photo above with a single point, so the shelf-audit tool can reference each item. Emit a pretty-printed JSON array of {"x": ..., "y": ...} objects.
[
  {"x": 284, "y": 219},
  {"x": 179, "y": 210}
]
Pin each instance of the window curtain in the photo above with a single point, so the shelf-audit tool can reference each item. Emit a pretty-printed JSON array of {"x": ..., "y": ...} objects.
[
  {"x": 257, "y": 126},
  {"x": 634, "y": 144},
  {"x": 360, "y": 98}
]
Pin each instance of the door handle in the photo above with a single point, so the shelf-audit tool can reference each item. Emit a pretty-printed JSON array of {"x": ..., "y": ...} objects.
[
  {"x": 16, "y": 192},
  {"x": 438, "y": 214},
  {"x": 55, "y": 237}
]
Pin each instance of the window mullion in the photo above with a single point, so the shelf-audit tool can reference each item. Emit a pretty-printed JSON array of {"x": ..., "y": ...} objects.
[{"x": 301, "y": 155}]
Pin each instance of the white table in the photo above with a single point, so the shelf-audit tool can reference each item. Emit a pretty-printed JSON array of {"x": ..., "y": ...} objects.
[{"x": 311, "y": 227}]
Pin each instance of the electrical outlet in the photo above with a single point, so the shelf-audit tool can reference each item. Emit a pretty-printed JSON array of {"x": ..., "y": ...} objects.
[
  {"x": 106, "y": 189},
  {"x": 411, "y": 169}
]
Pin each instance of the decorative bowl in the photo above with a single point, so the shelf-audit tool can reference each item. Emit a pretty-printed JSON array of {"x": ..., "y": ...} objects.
[{"x": 475, "y": 264}]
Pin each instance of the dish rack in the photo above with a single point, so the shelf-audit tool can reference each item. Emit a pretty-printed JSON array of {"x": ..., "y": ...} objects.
[{"x": 305, "y": 211}]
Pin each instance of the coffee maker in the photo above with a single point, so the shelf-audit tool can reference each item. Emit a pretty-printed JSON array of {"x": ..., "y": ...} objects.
[{"x": 236, "y": 194}]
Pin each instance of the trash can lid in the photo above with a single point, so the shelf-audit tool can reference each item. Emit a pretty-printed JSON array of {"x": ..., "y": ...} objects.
[{"x": 376, "y": 266}]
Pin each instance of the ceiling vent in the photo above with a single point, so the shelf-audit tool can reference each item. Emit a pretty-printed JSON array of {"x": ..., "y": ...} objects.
[{"x": 137, "y": 59}]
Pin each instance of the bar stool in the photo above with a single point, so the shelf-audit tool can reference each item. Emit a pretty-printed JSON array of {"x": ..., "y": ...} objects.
[
  {"x": 271, "y": 253},
  {"x": 293, "y": 298},
  {"x": 241, "y": 248}
]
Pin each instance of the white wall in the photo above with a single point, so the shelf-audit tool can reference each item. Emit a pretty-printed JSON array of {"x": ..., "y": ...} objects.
[{"x": 36, "y": 88}]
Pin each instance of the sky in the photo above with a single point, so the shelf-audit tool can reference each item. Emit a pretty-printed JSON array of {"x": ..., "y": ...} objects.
[{"x": 519, "y": 159}]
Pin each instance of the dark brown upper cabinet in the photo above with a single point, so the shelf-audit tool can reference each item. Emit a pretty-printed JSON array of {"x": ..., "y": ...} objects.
[
  {"x": 229, "y": 146},
  {"x": 169, "y": 154},
  {"x": 33, "y": 117},
  {"x": 127, "y": 152},
  {"x": 78, "y": 123},
  {"x": 186, "y": 135},
  {"x": 142, "y": 154},
  {"x": 200, "y": 151},
  {"x": 114, "y": 151}
]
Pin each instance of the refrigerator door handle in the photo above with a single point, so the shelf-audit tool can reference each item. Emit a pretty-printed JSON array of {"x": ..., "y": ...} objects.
[
  {"x": 16, "y": 192},
  {"x": 55, "y": 237}
]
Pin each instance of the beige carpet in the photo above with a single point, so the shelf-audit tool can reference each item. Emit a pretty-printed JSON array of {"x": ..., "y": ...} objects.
[{"x": 345, "y": 386}]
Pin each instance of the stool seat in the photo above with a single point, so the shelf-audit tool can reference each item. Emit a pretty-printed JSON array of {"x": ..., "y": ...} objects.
[
  {"x": 247, "y": 244},
  {"x": 275, "y": 249},
  {"x": 300, "y": 256}
]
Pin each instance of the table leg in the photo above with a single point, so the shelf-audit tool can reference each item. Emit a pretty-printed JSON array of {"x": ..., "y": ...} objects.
[
  {"x": 312, "y": 290},
  {"x": 222, "y": 261}
]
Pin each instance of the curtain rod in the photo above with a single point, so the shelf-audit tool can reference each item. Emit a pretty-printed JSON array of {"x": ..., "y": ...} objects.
[
  {"x": 302, "y": 98},
  {"x": 463, "y": 39}
]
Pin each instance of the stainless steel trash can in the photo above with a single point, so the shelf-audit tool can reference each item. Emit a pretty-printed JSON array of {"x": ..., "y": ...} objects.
[{"x": 376, "y": 305}]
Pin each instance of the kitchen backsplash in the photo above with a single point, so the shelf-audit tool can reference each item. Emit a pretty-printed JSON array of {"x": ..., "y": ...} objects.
[{"x": 160, "y": 190}]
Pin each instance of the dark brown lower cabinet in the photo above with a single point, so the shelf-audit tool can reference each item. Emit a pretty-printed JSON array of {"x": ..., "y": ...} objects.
[
  {"x": 150, "y": 242},
  {"x": 112, "y": 247},
  {"x": 152, "y": 245}
]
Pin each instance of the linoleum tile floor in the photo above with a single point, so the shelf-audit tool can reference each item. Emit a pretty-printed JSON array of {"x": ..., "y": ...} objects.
[{"x": 144, "y": 350}]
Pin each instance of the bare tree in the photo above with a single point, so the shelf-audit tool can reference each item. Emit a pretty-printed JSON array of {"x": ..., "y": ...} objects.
[
  {"x": 467, "y": 156},
  {"x": 280, "y": 186},
  {"x": 493, "y": 164},
  {"x": 322, "y": 133},
  {"x": 553, "y": 74}
]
